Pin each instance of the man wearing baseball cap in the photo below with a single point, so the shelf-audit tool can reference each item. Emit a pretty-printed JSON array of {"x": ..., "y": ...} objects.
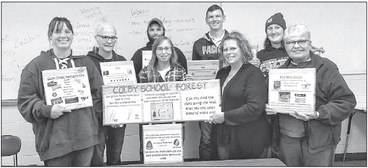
[{"x": 155, "y": 29}]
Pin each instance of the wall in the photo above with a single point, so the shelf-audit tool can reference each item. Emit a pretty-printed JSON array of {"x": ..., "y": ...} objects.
[
  {"x": 358, "y": 131},
  {"x": 339, "y": 27}
]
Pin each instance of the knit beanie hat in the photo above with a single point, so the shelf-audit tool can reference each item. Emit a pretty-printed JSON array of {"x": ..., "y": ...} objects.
[
  {"x": 278, "y": 19},
  {"x": 155, "y": 21}
]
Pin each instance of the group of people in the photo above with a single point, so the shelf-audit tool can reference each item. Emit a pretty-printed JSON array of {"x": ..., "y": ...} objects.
[{"x": 242, "y": 129}]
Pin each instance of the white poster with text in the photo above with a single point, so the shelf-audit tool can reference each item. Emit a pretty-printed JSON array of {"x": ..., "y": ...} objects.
[
  {"x": 292, "y": 90},
  {"x": 118, "y": 72},
  {"x": 68, "y": 88},
  {"x": 202, "y": 69},
  {"x": 161, "y": 102},
  {"x": 162, "y": 143}
]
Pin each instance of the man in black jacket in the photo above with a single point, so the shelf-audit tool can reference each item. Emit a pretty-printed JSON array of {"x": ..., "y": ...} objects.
[
  {"x": 155, "y": 29},
  {"x": 206, "y": 48}
]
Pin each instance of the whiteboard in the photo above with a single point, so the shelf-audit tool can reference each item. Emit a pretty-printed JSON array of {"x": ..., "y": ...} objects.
[
  {"x": 340, "y": 28},
  {"x": 24, "y": 30}
]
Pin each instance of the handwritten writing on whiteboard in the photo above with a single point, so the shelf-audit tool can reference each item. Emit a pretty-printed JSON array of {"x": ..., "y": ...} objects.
[
  {"x": 14, "y": 59},
  {"x": 7, "y": 78},
  {"x": 90, "y": 13},
  {"x": 84, "y": 30},
  {"x": 21, "y": 44},
  {"x": 83, "y": 38},
  {"x": 17, "y": 42},
  {"x": 13, "y": 46},
  {"x": 139, "y": 12},
  {"x": 26, "y": 40}
]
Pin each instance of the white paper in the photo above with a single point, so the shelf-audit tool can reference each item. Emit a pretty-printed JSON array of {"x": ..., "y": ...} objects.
[
  {"x": 118, "y": 72},
  {"x": 68, "y": 88},
  {"x": 202, "y": 69},
  {"x": 292, "y": 90},
  {"x": 161, "y": 102},
  {"x": 146, "y": 57},
  {"x": 162, "y": 143}
]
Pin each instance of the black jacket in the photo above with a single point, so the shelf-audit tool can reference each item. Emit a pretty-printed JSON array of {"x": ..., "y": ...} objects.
[{"x": 96, "y": 58}]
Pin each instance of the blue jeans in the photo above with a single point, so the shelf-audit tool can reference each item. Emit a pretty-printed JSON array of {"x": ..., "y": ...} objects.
[
  {"x": 114, "y": 139},
  {"x": 80, "y": 158},
  {"x": 207, "y": 148},
  {"x": 294, "y": 152}
]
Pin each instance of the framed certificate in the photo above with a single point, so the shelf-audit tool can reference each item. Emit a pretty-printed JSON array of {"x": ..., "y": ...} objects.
[{"x": 292, "y": 90}]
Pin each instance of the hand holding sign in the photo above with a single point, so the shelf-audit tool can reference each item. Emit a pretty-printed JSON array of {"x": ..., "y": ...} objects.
[
  {"x": 217, "y": 118},
  {"x": 57, "y": 111},
  {"x": 305, "y": 117}
]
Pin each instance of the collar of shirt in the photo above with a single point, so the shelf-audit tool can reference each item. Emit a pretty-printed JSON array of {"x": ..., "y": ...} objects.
[
  {"x": 305, "y": 64},
  {"x": 217, "y": 41},
  {"x": 296, "y": 64}
]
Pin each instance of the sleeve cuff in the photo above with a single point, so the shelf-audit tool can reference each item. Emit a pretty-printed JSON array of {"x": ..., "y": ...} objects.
[{"x": 46, "y": 110}]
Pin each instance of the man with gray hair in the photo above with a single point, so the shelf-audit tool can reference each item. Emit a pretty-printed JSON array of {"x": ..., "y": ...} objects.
[{"x": 310, "y": 140}]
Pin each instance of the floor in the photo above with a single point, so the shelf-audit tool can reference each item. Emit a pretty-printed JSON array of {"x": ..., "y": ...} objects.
[
  {"x": 338, "y": 163},
  {"x": 351, "y": 163},
  {"x": 352, "y": 160}
]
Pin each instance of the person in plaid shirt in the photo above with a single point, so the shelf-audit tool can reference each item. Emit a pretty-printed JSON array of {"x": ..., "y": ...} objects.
[{"x": 163, "y": 67}]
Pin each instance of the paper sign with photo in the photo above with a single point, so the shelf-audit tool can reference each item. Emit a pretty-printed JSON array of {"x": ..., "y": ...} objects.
[
  {"x": 67, "y": 87},
  {"x": 292, "y": 90}
]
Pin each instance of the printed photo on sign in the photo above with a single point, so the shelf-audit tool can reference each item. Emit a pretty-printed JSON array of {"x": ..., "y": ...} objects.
[{"x": 162, "y": 111}]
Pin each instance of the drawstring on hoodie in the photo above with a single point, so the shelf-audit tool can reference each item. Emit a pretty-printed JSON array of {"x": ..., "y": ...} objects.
[
  {"x": 63, "y": 63},
  {"x": 174, "y": 74}
]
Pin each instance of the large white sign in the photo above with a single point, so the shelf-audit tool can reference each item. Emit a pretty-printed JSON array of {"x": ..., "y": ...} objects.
[
  {"x": 161, "y": 102},
  {"x": 292, "y": 90},
  {"x": 118, "y": 72},
  {"x": 163, "y": 143},
  {"x": 67, "y": 87}
]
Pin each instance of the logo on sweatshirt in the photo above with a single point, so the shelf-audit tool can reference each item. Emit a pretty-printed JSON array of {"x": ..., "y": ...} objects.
[{"x": 212, "y": 49}]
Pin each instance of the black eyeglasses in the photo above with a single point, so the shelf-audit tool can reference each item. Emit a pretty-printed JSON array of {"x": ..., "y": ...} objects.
[
  {"x": 299, "y": 42},
  {"x": 106, "y": 38}
]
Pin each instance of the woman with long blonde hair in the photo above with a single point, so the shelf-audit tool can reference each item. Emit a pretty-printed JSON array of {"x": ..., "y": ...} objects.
[{"x": 163, "y": 65}]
